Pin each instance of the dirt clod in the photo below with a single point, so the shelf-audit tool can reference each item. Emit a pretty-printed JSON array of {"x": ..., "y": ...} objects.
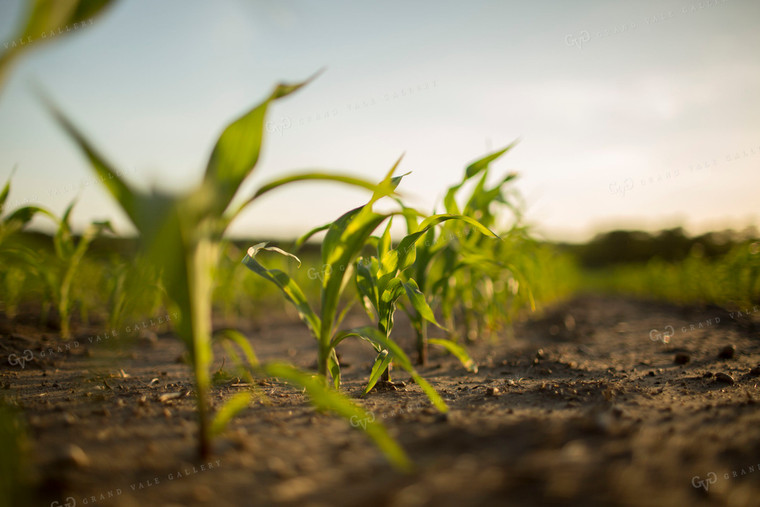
[
  {"x": 727, "y": 352},
  {"x": 681, "y": 358}
]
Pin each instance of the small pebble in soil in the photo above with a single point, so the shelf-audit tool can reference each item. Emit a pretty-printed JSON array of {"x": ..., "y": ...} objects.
[
  {"x": 441, "y": 417},
  {"x": 724, "y": 378},
  {"x": 727, "y": 352},
  {"x": 708, "y": 374},
  {"x": 540, "y": 354},
  {"x": 493, "y": 391},
  {"x": 74, "y": 455},
  {"x": 755, "y": 372},
  {"x": 681, "y": 358}
]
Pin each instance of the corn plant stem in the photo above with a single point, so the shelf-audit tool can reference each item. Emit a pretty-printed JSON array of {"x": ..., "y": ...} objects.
[
  {"x": 325, "y": 345},
  {"x": 422, "y": 343},
  {"x": 322, "y": 358},
  {"x": 63, "y": 300},
  {"x": 386, "y": 376},
  {"x": 200, "y": 262}
]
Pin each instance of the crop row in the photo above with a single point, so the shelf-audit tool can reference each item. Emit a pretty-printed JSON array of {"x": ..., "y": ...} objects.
[{"x": 450, "y": 270}]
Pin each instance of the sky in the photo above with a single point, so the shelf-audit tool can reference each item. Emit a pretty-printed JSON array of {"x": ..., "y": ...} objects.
[{"x": 628, "y": 114}]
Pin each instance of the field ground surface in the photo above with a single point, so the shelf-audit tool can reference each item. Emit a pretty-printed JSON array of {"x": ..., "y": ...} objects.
[{"x": 584, "y": 405}]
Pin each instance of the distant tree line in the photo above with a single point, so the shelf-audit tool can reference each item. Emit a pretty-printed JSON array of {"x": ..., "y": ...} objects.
[{"x": 673, "y": 245}]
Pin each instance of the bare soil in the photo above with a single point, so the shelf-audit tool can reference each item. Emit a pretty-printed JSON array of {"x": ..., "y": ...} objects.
[{"x": 585, "y": 405}]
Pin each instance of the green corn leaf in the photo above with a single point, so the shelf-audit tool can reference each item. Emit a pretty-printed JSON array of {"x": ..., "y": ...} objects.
[
  {"x": 333, "y": 366},
  {"x": 476, "y": 200},
  {"x": 388, "y": 186},
  {"x": 407, "y": 249},
  {"x": 380, "y": 341},
  {"x": 47, "y": 20},
  {"x": 64, "y": 244},
  {"x": 242, "y": 366},
  {"x": 457, "y": 351},
  {"x": 313, "y": 176},
  {"x": 366, "y": 285},
  {"x": 303, "y": 239},
  {"x": 129, "y": 200},
  {"x": 325, "y": 398},
  {"x": 419, "y": 303},
  {"x": 237, "y": 338},
  {"x": 381, "y": 364},
  {"x": 343, "y": 243},
  {"x": 389, "y": 263},
  {"x": 449, "y": 200},
  {"x": 50, "y": 15},
  {"x": 477, "y": 166},
  {"x": 229, "y": 410},
  {"x": 22, "y": 216},
  {"x": 384, "y": 244},
  {"x": 287, "y": 285},
  {"x": 392, "y": 290},
  {"x": 437, "y": 219},
  {"x": 5, "y": 192},
  {"x": 237, "y": 150}
]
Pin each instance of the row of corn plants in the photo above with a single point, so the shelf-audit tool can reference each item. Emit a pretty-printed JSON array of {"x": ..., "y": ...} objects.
[
  {"x": 181, "y": 236},
  {"x": 731, "y": 281},
  {"x": 442, "y": 258},
  {"x": 182, "y": 244}
]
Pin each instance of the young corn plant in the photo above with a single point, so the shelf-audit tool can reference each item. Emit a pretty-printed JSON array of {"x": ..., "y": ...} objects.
[
  {"x": 379, "y": 283},
  {"x": 17, "y": 219},
  {"x": 383, "y": 280},
  {"x": 134, "y": 290},
  {"x": 471, "y": 269},
  {"x": 15, "y": 255},
  {"x": 181, "y": 234},
  {"x": 435, "y": 242},
  {"x": 343, "y": 243},
  {"x": 59, "y": 273}
]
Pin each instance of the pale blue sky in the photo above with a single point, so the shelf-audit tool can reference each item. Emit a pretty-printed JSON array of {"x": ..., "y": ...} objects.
[{"x": 608, "y": 99}]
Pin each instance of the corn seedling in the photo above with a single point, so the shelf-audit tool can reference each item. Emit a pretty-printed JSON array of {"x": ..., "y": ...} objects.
[
  {"x": 342, "y": 244},
  {"x": 471, "y": 269},
  {"x": 14, "y": 253},
  {"x": 383, "y": 280},
  {"x": 17, "y": 219},
  {"x": 69, "y": 253},
  {"x": 58, "y": 273},
  {"x": 341, "y": 247},
  {"x": 420, "y": 271},
  {"x": 134, "y": 289},
  {"x": 181, "y": 234}
]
